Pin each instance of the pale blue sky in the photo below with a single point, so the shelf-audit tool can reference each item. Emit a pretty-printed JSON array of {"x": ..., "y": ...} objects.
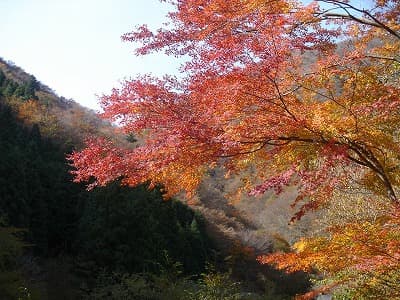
[{"x": 74, "y": 46}]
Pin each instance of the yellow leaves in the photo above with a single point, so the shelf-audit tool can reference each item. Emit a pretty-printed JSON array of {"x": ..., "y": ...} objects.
[
  {"x": 284, "y": 6},
  {"x": 30, "y": 111},
  {"x": 366, "y": 251},
  {"x": 259, "y": 103},
  {"x": 331, "y": 118},
  {"x": 300, "y": 245},
  {"x": 178, "y": 176}
]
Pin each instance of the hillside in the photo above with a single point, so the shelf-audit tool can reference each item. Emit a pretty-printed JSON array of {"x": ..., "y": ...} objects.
[
  {"x": 56, "y": 238},
  {"x": 56, "y": 116},
  {"x": 59, "y": 241},
  {"x": 61, "y": 118}
]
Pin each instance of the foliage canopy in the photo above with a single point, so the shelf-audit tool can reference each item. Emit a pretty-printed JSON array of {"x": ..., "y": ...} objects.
[{"x": 296, "y": 94}]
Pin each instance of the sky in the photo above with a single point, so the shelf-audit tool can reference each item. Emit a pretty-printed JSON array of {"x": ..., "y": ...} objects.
[{"x": 75, "y": 47}]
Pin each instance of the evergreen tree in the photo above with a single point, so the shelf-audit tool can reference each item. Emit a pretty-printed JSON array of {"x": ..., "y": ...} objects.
[
  {"x": 19, "y": 91},
  {"x": 30, "y": 87},
  {"x": 2, "y": 78},
  {"x": 10, "y": 87},
  {"x": 132, "y": 230}
]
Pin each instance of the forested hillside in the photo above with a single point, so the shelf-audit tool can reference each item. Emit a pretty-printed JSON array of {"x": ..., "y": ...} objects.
[
  {"x": 59, "y": 241},
  {"x": 300, "y": 99},
  {"x": 63, "y": 120}
]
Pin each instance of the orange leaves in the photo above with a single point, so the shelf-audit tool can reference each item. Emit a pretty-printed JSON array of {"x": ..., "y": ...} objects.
[
  {"x": 99, "y": 160},
  {"x": 370, "y": 248},
  {"x": 30, "y": 111},
  {"x": 251, "y": 89},
  {"x": 267, "y": 92}
]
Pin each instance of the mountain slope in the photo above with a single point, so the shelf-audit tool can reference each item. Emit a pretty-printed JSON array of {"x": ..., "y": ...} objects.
[
  {"x": 74, "y": 234},
  {"x": 57, "y": 117}
]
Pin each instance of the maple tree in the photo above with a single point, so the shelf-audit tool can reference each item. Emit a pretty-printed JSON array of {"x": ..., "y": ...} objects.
[
  {"x": 363, "y": 255},
  {"x": 298, "y": 94}
]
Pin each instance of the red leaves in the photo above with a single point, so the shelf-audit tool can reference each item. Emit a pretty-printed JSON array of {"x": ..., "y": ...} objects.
[
  {"x": 254, "y": 101},
  {"x": 100, "y": 160},
  {"x": 277, "y": 183},
  {"x": 250, "y": 100}
]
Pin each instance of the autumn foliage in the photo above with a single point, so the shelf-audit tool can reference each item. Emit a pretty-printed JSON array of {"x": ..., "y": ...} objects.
[
  {"x": 296, "y": 94},
  {"x": 364, "y": 255}
]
